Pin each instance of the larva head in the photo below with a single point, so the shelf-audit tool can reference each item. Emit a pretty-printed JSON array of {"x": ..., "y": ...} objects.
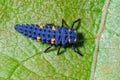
[{"x": 72, "y": 36}]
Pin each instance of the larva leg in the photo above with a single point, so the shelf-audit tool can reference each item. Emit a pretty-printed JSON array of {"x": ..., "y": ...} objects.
[
  {"x": 78, "y": 20},
  {"x": 64, "y": 23},
  {"x": 73, "y": 47},
  {"x": 58, "y": 50},
  {"x": 48, "y": 48}
]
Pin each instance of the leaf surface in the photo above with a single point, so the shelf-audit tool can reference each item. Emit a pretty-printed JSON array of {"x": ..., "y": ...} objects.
[
  {"x": 108, "y": 62},
  {"x": 23, "y": 59}
]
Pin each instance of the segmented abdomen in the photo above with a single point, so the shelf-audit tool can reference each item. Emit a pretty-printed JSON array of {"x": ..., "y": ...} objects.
[{"x": 48, "y": 34}]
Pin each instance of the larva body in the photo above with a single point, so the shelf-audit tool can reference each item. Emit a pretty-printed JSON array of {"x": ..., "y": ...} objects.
[{"x": 50, "y": 34}]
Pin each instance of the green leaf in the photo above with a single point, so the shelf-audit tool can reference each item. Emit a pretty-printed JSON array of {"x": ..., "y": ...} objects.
[
  {"x": 23, "y": 59},
  {"x": 108, "y": 62}
]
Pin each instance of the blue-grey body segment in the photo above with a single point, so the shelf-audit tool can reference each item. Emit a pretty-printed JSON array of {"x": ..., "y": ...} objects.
[{"x": 62, "y": 35}]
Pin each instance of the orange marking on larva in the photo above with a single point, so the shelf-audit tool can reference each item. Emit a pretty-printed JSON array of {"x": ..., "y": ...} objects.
[
  {"x": 38, "y": 39},
  {"x": 52, "y": 40},
  {"x": 41, "y": 26},
  {"x": 53, "y": 28}
]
